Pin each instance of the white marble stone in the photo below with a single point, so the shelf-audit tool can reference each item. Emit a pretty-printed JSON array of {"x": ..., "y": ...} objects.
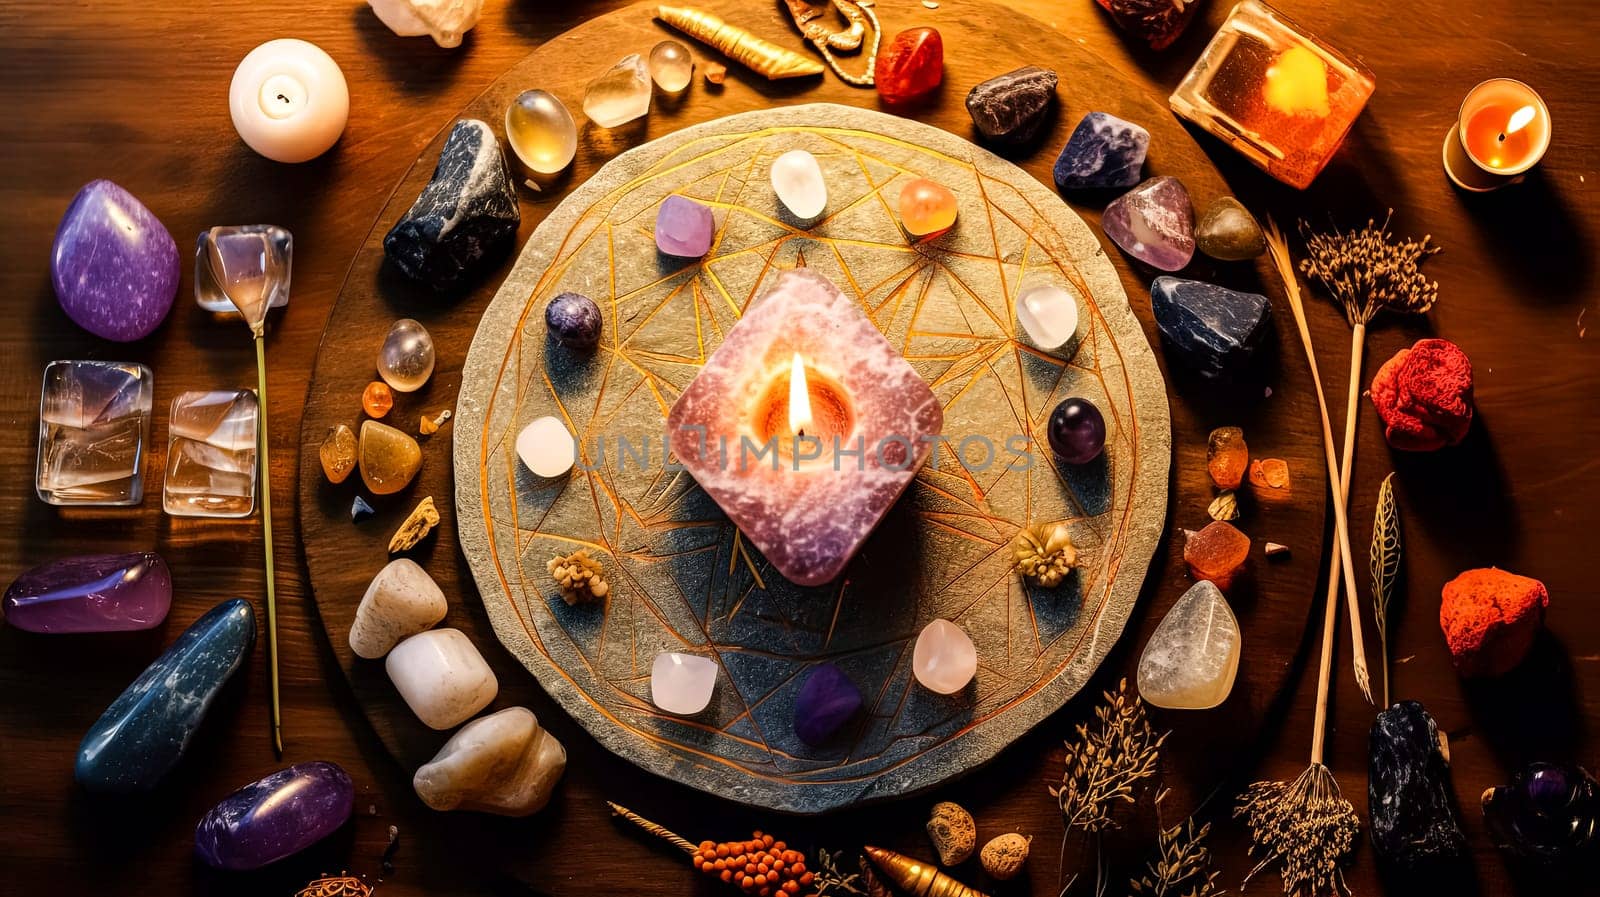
[
  {"x": 546, "y": 447},
  {"x": 401, "y": 601},
  {"x": 1048, "y": 315},
  {"x": 503, "y": 763},
  {"x": 682, "y": 683},
  {"x": 442, "y": 677},
  {"x": 443, "y": 20},
  {"x": 1193, "y": 656},
  {"x": 797, "y": 179},
  {"x": 944, "y": 659}
]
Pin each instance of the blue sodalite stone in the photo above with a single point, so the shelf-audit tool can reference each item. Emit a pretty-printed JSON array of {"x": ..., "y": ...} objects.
[
  {"x": 145, "y": 731},
  {"x": 1103, "y": 152},
  {"x": 360, "y": 510},
  {"x": 826, "y": 701},
  {"x": 1211, "y": 329},
  {"x": 467, "y": 212}
]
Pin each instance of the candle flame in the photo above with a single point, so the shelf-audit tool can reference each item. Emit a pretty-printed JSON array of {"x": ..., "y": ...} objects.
[
  {"x": 799, "y": 396},
  {"x": 1520, "y": 119}
]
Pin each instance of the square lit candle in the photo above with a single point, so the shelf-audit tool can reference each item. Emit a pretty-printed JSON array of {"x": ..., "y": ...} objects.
[
  {"x": 1274, "y": 93},
  {"x": 805, "y": 426}
]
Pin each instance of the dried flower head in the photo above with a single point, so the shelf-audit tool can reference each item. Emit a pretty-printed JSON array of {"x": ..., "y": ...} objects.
[
  {"x": 1109, "y": 763},
  {"x": 1306, "y": 828},
  {"x": 581, "y": 578},
  {"x": 1368, "y": 270},
  {"x": 1044, "y": 553}
]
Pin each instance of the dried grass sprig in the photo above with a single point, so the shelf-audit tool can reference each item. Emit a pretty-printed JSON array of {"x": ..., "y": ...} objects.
[
  {"x": 1108, "y": 763},
  {"x": 1278, "y": 249},
  {"x": 1305, "y": 828},
  {"x": 1384, "y": 565},
  {"x": 1182, "y": 859}
]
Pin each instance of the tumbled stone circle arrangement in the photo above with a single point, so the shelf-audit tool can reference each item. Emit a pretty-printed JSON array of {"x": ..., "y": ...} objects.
[{"x": 683, "y": 581}]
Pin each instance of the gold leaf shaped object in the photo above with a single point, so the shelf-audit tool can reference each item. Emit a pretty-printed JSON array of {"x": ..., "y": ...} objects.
[
  {"x": 1044, "y": 553},
  {"x": 416, "y": 527},
  {"x": 917, "y": 878},
  {"x": 580, "y": 577},
  {"x": 759, "y": 55}
]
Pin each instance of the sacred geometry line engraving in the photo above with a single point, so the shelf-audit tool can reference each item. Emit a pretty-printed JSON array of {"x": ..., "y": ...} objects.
[{"x": 682, "y": 578}]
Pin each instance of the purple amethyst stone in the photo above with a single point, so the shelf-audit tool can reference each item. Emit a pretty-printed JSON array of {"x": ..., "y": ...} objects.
[
  {"x": 1154, "y": 223},
  {"x": 1077, "y": 431},
  {"x": 826, "y": 701},
  {"x": 91, "y": 593},
  {"x": 114, "y": 266},
  {"x": 275, "y": 817},
  {"x": 574, "y": 321},
  {"x": 684, "y": 227}
]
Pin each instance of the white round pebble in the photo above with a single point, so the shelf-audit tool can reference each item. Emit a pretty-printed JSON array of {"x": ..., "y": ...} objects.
[{"x": 547, "y": 447}]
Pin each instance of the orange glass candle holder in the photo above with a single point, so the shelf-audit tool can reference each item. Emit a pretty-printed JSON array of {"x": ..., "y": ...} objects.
[
  {"x": 1502, "y": 131},
  {"x": 1270, "y": 90}
]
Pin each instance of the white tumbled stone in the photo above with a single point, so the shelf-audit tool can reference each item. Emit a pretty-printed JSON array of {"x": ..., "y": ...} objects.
[
  {"x": 442, "y": 677},
  {"x": 944, "y": 659},
  {"x": 1193, "y": 656},
  {"x": 798, "y": 181},
  {"x": 682, "y": 683},
  {"x": 446, "y": 21},
  {"x": 1048, "y": 315},
  {"x": 504, "y": 763},
  {"x": 402, "y": 600}
]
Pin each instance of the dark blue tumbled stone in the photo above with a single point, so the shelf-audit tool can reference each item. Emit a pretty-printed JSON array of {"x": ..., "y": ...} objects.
[
  {"x": 826, "y": 701},
  {"x": 1103, "y": 152},
  {"x": 467, "y": 212},
  {"x": 360, "y": 510},
  {"x": 1211, "y": 329},
  {"x": 1408, "y": 790},
  {"x": 145, "y": 731}
]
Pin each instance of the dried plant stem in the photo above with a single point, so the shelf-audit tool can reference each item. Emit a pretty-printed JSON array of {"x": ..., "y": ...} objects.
[
  {"x": 266, "y": 525},
  {"x": 660, "y": 832},
  {"x": 1279, "y": 249}
]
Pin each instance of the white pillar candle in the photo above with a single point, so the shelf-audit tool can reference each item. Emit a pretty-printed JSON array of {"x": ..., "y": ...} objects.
[{"x": 289, "y": 100}]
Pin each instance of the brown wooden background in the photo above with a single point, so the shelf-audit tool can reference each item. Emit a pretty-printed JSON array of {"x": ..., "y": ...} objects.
[{"x": 137, "y": 92}]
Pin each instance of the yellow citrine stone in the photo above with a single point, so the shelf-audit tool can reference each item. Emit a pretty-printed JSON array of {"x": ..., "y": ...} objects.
[{"x": 389, "y": 458}]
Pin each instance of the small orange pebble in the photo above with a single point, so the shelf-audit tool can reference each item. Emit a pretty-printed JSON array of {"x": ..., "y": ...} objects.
[
  {"x": 1216, "y": 553},
  {"x": 1269, "y": 480},
  {"x": 927, "y": 209},
  {"x": 1227, "y": 455},
  {"x": 715, "y": 73},
  {"x": 377, "y": 399}
]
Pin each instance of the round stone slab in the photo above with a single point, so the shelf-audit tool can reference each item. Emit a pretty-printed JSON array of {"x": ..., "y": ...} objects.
[{"x": 681, "y": 579}]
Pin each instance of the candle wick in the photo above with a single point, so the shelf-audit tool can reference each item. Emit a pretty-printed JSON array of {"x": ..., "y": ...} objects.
[{"x": 1502, "y": 138}]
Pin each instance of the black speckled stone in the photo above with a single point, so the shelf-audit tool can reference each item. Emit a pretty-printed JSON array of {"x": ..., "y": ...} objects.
[
  {"x": 1408, "y": 790},
  {"x": 467, "y": 212},
  {"x": 1211, "y": 329},
  {"x": 1010, "y": 109}
]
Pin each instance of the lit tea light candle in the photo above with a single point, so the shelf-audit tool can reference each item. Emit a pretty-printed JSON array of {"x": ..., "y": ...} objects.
[
  {"x": 1503, "y": 130},
  {"x": 289, "y": 100},
  {"x": 805, "y": 426}
]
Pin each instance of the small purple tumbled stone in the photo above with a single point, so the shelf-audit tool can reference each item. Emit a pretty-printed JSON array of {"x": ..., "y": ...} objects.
[
  {"x": 114, "y": 266},
  {"x": 1154, "y": 223},
  {"x": 91, "y": 593},
  {"x": 826, "y": 701},
  {"x": 574, "y": 321},
  {"x": 684, "y": 227},
  {"x": 275, "y": 817}
]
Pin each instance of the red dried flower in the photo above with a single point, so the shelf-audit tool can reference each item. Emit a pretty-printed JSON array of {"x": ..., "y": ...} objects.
[
  {"x": 1424, "y": 395},
  {"x": 1490, "y": 619}
]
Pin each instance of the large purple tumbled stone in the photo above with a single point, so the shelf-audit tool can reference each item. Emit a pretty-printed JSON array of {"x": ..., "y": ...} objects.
[
  {"x": 1154, "y": 223},
  {"x": 826, "y": 701},
  {"x": 114, "y": 266},
  {"x": 91, "y": 593},
  {"x": 684, "y": 227},
  {"x": 275, "y": 817}
]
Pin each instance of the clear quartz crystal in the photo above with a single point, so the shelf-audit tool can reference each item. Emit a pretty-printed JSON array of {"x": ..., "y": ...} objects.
[
  {"x": 94, "y": 418},
  {"x": 1048, "y": 315},
  {"x": 797, "y": 179},
  {"x": 211, "y": 458},
  {"x": 1192, "y": 658},
  {"x": 620, "y": 95},
  {"x": 249, "y": 263},
  {"x": 671, "y": 66},
  {"x": 406, "y": 360}
]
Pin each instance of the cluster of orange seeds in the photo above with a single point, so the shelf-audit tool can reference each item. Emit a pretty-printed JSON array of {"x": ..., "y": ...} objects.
[{"x": 760, "y": 866}]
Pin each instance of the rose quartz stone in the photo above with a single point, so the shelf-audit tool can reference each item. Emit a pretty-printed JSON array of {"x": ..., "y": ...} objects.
[{"x": 808, "y": 522}]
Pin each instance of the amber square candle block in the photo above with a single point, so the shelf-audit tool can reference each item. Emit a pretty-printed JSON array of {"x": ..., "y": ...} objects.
[
  {"x": 1275, "y": 93},
  {"x": 807, "y": 504}
]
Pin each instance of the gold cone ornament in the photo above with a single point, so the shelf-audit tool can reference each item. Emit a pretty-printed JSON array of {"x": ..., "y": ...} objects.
[
  {"x": 917, "y": 878},
  {"x": 760, "y": 56}
]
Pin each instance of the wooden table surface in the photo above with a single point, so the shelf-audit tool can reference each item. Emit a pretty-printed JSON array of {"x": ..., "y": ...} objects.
[{"x": 137, "y": 92}]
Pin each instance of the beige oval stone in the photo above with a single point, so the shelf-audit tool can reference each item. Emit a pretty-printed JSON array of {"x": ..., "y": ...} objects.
[
  {"x": 389, "y": 458},
  {"x": 401, "y": 601},
  {"x": 504, "y": 763}
]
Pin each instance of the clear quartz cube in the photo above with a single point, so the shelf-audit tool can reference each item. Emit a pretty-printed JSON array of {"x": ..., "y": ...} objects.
[
  {"x": 211, "y": 458},
  {"x": 250, "y": 262},
  {"x": 1275, "y": 93},
  {"x": 94, "y": 418}
]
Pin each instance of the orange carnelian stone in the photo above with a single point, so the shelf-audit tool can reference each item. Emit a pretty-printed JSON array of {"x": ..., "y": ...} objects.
[
  {"x": 1269, "y": 480},
  {"x": 1216, "y": 553},
  {"x": 377, "y": 399},
  {"x": 1227, "y": 455},
  {"x": 911, "y": 66},
  {"x": 927, "y": 209}
]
